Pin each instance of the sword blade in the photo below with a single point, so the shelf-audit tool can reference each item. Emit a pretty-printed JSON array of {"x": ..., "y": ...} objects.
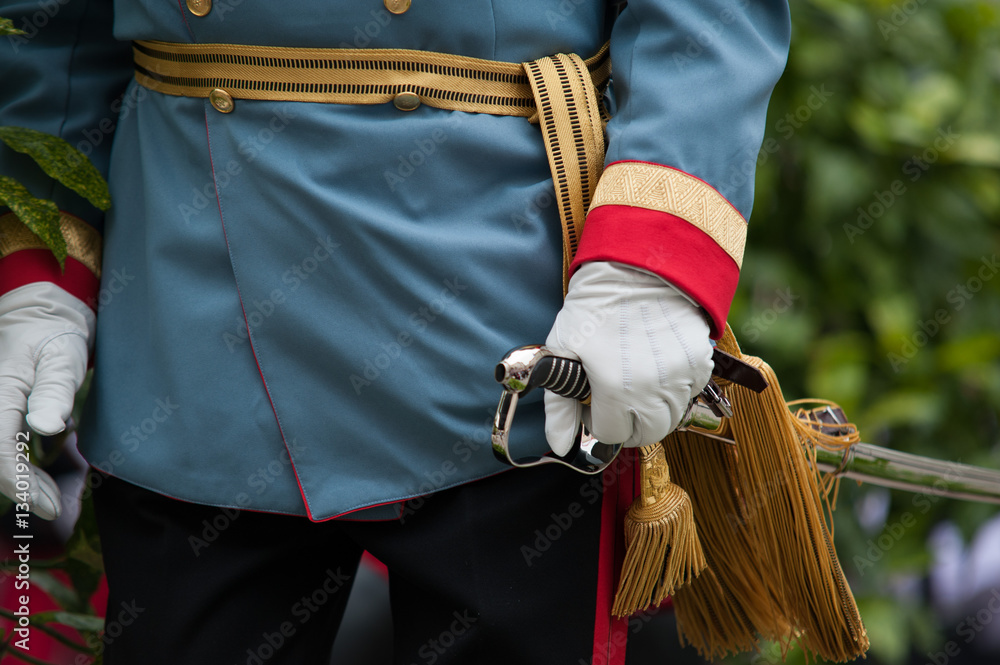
[{"x": 885, "y": 467}]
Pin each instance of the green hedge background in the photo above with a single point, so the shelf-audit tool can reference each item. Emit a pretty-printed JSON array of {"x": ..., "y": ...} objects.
[{"x": 871, "y": 276}]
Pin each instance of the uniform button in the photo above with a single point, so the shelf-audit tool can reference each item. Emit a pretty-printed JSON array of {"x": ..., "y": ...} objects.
[
  {"x": 221, "y": 100},
  {"x": 397, "y": 6},
  {"x": 406, "y": 101},
  {"x": 199, "y": 7}
]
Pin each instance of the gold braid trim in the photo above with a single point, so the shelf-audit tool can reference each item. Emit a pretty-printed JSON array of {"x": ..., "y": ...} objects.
[
  {"x": 569, "y": 113},
  {"x": 83, "y": 243},
  {"x": 668, "y": 190},
  {"x": 344, "y": 76}
]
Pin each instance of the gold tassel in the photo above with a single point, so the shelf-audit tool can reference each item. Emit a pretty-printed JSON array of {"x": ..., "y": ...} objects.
[
  {"x": 745, "y": 604},
  {"x": 711, "y": 619},
  {"x": 662, "y": 550},
  {"x": 750, "y": 507},
  {"x": 759, "y": 507},
  {"x": 790, "y": 525}
]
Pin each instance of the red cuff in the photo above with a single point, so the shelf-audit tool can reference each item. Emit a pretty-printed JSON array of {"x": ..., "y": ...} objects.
[
  {"x": 39, "y": 265},
  {"x": 668, "y": 246}
]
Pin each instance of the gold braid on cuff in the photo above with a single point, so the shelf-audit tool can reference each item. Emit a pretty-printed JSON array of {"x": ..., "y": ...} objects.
[
  {"x": 668, "y": 190},
  {"x": 83, "y": 242}
]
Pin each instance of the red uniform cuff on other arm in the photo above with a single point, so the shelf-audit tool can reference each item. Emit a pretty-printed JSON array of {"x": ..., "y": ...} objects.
[
  {"x": 39, "y": 265},
  {"x": 668, "y": 246},
  {"x": 25, "y": 259}
]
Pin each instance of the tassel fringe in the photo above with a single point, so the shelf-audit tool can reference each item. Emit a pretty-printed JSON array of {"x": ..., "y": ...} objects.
[
  {"x": 662, "y": 550},
  {"x": 750, "y": 513}
]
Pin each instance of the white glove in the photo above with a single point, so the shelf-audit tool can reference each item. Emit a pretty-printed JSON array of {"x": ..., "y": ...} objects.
[
  {"x": 44, "y": 338},
  {"x": 646, "y": 350}
]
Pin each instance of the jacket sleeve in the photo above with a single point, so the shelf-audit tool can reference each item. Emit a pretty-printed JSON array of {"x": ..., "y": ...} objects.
[
  {"x": 65, "y": 76},
  {"x": 691, "y": 84}
]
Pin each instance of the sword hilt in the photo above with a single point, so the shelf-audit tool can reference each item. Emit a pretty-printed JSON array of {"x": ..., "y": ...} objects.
[
  {"x": 535, "y": 366},
  {"x": 563, "y": 376}
]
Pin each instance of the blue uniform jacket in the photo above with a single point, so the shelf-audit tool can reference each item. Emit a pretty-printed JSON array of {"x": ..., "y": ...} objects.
[{"x": 301, "y": 304}]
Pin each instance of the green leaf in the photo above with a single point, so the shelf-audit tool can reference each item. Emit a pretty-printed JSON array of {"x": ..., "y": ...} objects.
[
  {"x": 84, "y": 544},
  {"x": 970, "y": 351},
  {"x": 904, "y": 407},
  {"x": 74, "y": 620},
  {"x": 39, "y": 215},
  {"x": 83, "y": 550},
  {"x": 7, "y": 28},
  {"x": 54, "y": 587},
  {"x": 61, "y": 161}
]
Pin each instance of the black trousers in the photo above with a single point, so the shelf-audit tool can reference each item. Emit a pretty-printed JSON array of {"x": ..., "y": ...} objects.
[{"x": 516, "y": 568}]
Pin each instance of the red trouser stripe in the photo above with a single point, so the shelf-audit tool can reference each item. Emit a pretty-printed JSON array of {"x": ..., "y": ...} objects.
[{"x": 610, "y": 634}]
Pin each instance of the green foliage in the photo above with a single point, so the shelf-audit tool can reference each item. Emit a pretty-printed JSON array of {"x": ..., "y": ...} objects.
[
  {"x": 39, "y": 215},
  {"x": 62, "y": 162},
  {"x": 7, "y": 27},
  {"x": 878, "y": 202}
]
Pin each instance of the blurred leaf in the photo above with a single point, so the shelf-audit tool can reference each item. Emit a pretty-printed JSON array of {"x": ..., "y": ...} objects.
[
  {"x": 839, "y": 370},
  {"x": 7, "y": 27},
  {"x": 54, "y": 587},
  {"x": 904, "y": 408},
  {"x": 83, "y": 550},
  {"x": 976, "y": 350},
  {"x": 980, "y": 149},
  {"x": 39, "y": 215},
  {"x": 891, "y": 316},
  {"x": 87, "y": 622},
  {"x": 61, "y": 161},
  {"x": 887, "y": 629}
]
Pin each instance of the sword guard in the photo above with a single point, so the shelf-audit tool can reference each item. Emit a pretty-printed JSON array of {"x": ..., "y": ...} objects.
[{"x": 534, "y": 366}]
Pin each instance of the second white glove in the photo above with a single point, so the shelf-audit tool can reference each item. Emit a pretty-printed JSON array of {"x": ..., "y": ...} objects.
[
  {"x": 646, "y": 350},
  {"x": 44, "y": 339}
]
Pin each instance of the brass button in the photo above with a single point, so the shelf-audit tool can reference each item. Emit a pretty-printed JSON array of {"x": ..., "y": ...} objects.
[
  {"x": 221, "y": 100},
  {"x": 406, "y": 101},
  {"x": 199, "y": 7},
  {"x": 397, "y": 6}
]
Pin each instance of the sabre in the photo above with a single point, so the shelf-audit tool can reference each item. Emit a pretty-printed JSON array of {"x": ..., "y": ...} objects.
[{"x": 530, "y": 367}]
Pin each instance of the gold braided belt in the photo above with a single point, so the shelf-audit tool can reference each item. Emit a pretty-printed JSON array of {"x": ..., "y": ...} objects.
[{"x": 560, "y": 92}]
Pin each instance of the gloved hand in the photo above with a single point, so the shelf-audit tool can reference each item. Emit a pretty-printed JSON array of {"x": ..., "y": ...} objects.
[
  {"x": 645, "y": 347},
  {"x": 44, "y": 338}
]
